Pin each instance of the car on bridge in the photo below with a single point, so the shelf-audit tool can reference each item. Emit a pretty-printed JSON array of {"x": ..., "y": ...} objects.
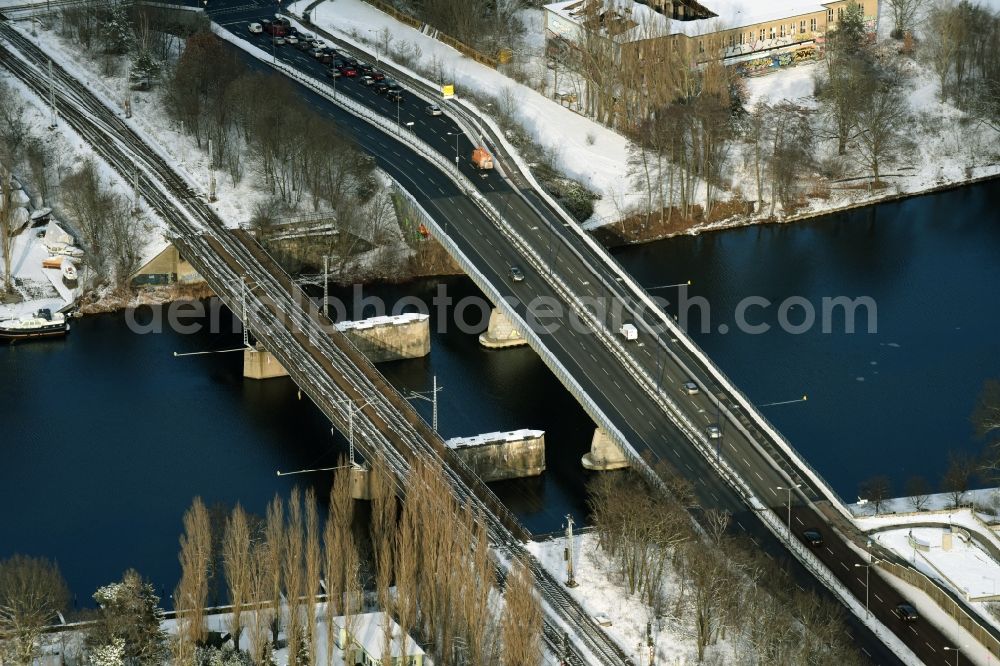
[
  {"x": 433, "y": 110},
  {"x": 394, "y": 95},
  {"x": 333, "y": 73},
  {"x": 377, "y": 75},
  {"x": 812, "y": 537},
  {"x": 367, "y": 80},
  {"x": 380, "y": 86},
  {"x": 349, "y": 71},
  {"x": 515, "y": 274},
  {"x": 690, "y": 388},
  {"x": 714, "y": 431},
  {"x": 255, "y": 28},
  {"x": 906, "y": 612}
]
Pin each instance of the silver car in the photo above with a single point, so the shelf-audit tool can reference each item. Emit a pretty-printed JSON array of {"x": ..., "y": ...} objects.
[
  {"x": 714, "y": 431},
  {"x": 433, "y": 110},
  {"x": 690, "y": 388}
]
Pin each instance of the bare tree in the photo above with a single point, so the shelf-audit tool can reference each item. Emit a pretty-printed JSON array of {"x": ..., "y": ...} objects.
[
  {"x": 918, "y": 492},
  {"x": 236, "y": 560},
  {"x": 904, "y": 15},
  {"x": 881, "y": 122},
  {"x": 274, "y": 534},
  {"x": 7, "y": 227},
  {"x": 293, "y": 575},
  {"x": 262, "y": 618},
  {"x": 957, "y": 477},
  {"x": 191, "y": 595},
  {"x": 313, "y": 566},
  {"x": 383, "y": 531},
  {"x": 986, "y": 420},
  {"x": 521, "y": 623},
  {"x": 32, "y": 592},
  {"x": 876, "y": 490}
]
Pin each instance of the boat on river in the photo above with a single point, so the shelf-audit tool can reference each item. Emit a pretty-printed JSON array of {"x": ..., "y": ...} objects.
[{"x": 42, "y": 324}]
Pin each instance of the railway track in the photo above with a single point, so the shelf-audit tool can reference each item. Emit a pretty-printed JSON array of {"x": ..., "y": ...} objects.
[{"x": 320, "y": 359}]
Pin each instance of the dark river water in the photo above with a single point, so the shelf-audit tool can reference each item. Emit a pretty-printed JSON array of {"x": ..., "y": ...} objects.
[{"x": 106, "y": 436}]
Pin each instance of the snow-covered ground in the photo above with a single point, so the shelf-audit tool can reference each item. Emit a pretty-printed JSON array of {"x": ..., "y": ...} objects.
[
  {"x": 606, "y": 599},
  {"x": 982, "y": 497},
  {"x": 45, "y": 287},
  {"x": 150, "y": 120},
  {"x": 967, "y": 568},
  {"x": 584, "y": 149},
  {"x": 598, "y": 157}
]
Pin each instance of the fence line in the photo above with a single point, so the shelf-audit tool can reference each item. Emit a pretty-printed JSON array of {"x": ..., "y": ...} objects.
[
  {"x": 947, "y": 604},
  {"x": 461, "y": 47}
]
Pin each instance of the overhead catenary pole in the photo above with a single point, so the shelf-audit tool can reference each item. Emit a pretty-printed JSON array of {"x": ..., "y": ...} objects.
[
  {"x": 211, "y": 172},
  {"x": 326, "y": 285},
  {"x": 434, "y": 407},
  {"x": 135, "y": 191},
  {"x": 52, "y": 97},
  {"x": 570, "y": 578}
]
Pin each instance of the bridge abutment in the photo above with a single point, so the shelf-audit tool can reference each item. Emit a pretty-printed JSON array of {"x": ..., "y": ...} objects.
[
  {"x": 503, "y": 455},
  {"x": 501, "y": 333},
  {"x": 604, "y": 454}
]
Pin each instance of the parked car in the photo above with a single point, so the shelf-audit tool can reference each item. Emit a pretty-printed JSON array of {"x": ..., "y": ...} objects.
[
  {"x": 812, "y": 537},
  {"x": 377, "y": 75},
  {"x": 255, "y": 28},
  {"x": 367, "y": 80},
  {"x": 433, "y": 110},
  {"x": 907, "y": 613},
  {"x": 690, "y": 388},
  {"x": 515, "y": 274},
  {"x": 394, "y": 95}
]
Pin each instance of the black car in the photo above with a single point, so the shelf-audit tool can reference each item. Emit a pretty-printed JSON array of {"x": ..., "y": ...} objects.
[
  {"x": 353, "y": 62},
  {"x": 364, "y": 68},
  {"x": 380, "y": 87},
  {"x": 303, "y": 45},
  {"x": 377, "y": 75},
  {"x": 812, "y": 537},
  {"x": 337, "y": 63},
  {"x": 394, "y": 95},
  {"x": 393, "y": 85},
  {"x": 907, "y": 613}
]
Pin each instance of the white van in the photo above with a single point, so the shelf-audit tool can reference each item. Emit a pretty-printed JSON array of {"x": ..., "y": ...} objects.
[{"x": 256, "y": 28}]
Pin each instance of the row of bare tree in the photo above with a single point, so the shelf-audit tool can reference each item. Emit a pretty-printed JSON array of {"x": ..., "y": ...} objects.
[
  {"x": 708, "y": 583},
  {"x": 430, "y": 563}
]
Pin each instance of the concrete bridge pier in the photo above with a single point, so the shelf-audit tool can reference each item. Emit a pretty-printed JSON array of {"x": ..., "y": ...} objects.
[
  {"x": 495, "y": 456},
  {"x": 604, "y": 454},
  {"x": 501, "y": 333},
  {"x": 258, "y": 363}
]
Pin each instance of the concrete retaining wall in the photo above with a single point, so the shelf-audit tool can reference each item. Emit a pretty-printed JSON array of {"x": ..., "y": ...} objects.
[{"x": 503, "y": 455}]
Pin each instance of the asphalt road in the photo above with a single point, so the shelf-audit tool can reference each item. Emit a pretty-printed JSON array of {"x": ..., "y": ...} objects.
[{"x": 588, "y": 360}]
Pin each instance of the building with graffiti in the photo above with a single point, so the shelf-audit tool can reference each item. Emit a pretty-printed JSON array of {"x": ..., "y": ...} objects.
[{"x": 755, "y": 36}]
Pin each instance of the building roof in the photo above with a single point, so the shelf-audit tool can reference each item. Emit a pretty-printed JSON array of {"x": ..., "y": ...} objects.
[
  {"x": 643, "y": 21},
  {"x": 367, "y": 633}
]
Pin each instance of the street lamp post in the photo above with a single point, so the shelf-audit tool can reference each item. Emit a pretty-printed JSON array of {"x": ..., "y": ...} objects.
[
  {"x": 868, "y": 568},
  {"x": 456, "y": 135},
  {"x": 955, "y": 650},
  {"x": 790, "y": 489}
]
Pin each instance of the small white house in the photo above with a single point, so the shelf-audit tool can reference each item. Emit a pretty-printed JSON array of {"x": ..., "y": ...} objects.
[{"x": 367, "y": 639}]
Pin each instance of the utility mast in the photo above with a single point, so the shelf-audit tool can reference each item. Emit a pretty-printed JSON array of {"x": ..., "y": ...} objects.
[
  {"x": 52, "y": 97},
  {"x": 211, "y": 173},
  {"x": 568, "y": 553}
]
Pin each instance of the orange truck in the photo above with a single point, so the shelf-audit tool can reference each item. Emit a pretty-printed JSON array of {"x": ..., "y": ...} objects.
[{"x": 481, "y": 158}]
